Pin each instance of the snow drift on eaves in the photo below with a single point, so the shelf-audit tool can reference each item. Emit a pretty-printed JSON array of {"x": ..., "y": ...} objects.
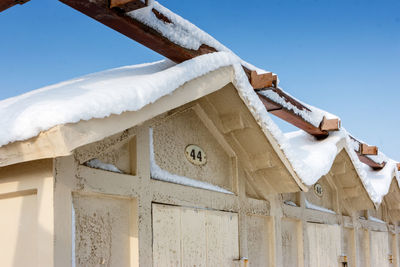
[
  {"x": 131, "y": 88},
  {"x": 99, "y": 95},
  {"x": 312, "y": 159}
]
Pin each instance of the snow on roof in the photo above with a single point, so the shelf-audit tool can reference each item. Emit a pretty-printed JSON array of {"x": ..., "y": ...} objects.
[
  {"x": 312, "y": 159},
  {"x": 99, "y": 95},
  {"x": 131, "y": 88},
  {"x": 182, "y": 31},
  {"x": 313, "y": 115}
]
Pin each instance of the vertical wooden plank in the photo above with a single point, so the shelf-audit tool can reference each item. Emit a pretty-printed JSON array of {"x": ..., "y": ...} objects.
[
  {"x": 222, "y": 238},
  {"x": 193, "y": 231},
  {"x": 290, "y": 242},
  {"x": 397, "y": 247},
  {"x": 379, "y": 249},
  {"x": 313, "y": 252},
  {"x": 393, "y": 250},
  {"x": 258, "y": 240},
  {"x": 166, "y": 236},
  {"x": 348, "y": 246},
  {"x": 230, "y": 244},
  {"x": 362, "y": 248},
  {"x": 324, "y": 244}
]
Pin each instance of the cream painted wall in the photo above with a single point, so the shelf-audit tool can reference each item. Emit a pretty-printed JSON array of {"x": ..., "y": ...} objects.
[
  {"x": 26, "y": 210},
  {"x": 118, "y": 219}
]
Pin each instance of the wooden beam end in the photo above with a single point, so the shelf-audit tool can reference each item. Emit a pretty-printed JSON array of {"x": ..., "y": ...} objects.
[
  {"x": 398, "y": 167},
  {"x": 368, "y": 150},
  {"x": 260, "y": 81},
  {"x": 330, "y": 124}
]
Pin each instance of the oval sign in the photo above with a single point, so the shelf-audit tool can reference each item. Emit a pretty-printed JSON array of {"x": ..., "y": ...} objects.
[
  {"x": 318, "y": 190},
  {"x": 195, "y": 155}
]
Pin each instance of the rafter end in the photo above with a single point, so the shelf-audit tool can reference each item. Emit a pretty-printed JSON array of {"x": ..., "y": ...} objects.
[
  {"x": 368, "y": 150},
  {"x": 330, "y": 124},
  {"x": 260, "y": 81}
]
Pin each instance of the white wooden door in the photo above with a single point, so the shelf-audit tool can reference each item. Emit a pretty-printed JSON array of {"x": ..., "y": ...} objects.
[
  {"x": 194, "y": 237},
  {"x": 379, "y": 249},
  {"x": 324, "y": 245}
]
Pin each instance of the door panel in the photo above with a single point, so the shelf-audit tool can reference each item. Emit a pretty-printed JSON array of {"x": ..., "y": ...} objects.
[
  {"x": 324, "y": 244},
  {"x": 194, "y": 237},
  {"x": 379, "y": 249}
]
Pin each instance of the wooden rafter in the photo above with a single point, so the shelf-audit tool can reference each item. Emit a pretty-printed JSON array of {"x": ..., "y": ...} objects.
[
  {"x": 5, "y": 4},
  {"x": 364, "y": 150},
  {"x": 113, "y": 13},
  {"x": 288, "y": 115},
  {"x": 374, "y": 165},
  {"x": 398, "y": 167},
  {"x": 136, "y": 30},
  {"x": 151, "y": 38},
  {"x": 115, "y": 17},
  {"x": 126, "y": 5}
]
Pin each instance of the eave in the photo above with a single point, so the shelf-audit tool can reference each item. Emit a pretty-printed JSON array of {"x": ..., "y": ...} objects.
[{"x": 5, "y": 4}]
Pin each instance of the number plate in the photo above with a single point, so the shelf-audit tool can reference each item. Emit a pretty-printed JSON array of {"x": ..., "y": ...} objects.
[
  {"x": 195, "y": 155},
  {"x": 318, "y": 190}
]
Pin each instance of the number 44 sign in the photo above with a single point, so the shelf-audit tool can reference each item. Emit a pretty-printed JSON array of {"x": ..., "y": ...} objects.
[{"x": 195, "y": 155}]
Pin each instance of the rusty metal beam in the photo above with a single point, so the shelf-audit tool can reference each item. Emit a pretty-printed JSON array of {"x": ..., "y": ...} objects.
[{"x": 5, "y": 4}]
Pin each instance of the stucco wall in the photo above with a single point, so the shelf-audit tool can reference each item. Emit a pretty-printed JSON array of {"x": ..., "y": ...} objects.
[
  {"x": 174, "y": 133},
  {"x": 105, "y": 230}
]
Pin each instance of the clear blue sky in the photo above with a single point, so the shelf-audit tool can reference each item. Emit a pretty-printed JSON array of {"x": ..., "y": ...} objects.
[{"x": 341, "y": 56}]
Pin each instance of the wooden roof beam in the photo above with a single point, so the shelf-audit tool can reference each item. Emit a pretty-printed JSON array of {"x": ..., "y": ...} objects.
[
  {"x": 398, "y": 167},
  {"x": 5, "y": 4},
  {"x": 117, "y": 19},
  {"x": 288, "y": 115},
  {"x": 114, "y": 16},
  {"x": 363, "y": 151},
  {"x": 291, "y": 117},
  {"x": 127, "y": 5},
  {"x": 374, "y": 165}
]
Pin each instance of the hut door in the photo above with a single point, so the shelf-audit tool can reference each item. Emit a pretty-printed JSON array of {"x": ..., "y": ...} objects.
[
  {"x": 324, "y": 245},
  {"x": 194, "y": 237},
  {"x": 379, "y": 249}
]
